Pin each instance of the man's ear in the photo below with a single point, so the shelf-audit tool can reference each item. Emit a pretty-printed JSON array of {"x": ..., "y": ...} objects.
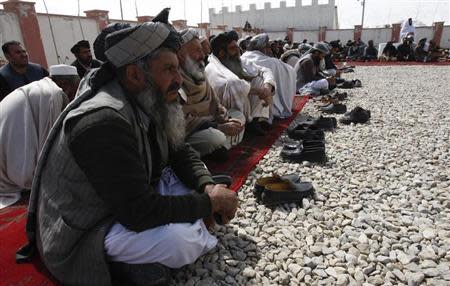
[{"x": 134, "y": 78}]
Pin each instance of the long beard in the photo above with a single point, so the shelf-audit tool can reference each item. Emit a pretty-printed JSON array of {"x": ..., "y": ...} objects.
[
  {"x": 168, "y": 116},
  {"x": 195, "y": 70},
  {"x": 234, "y": 64}
]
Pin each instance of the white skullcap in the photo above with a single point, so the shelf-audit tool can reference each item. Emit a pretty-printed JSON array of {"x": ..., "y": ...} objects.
[
  {"x": 63, "y": 70},
  {"x": 188, "y": 35}
]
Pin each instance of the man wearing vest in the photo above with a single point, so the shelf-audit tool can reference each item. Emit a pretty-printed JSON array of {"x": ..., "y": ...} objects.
[
  {"x": 118, "y": 196},
  {"x": 18, "y": 72}
]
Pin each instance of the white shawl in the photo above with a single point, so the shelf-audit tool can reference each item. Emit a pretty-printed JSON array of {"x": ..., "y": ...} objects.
[
  {"x": 406, "y": 29},
  {"x": 285, "y": 79},
  {"x": 27, "y": 115}
]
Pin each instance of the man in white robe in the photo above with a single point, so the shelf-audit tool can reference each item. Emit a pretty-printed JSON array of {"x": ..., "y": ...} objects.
[
  {"x": 408, "y": 28},
  {"x": 240, "y": 85},
  {"x": 285, "y": 76},
  {"x": 27, "y": 115}
]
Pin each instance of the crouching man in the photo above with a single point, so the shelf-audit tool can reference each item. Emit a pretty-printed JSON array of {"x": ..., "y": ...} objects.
[{"x": 116, "y": 187}]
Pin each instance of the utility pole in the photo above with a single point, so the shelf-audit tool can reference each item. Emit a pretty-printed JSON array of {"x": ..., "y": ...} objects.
[
  {"x": 121, "y": 10},
  {"x": 363, "y": 3}
]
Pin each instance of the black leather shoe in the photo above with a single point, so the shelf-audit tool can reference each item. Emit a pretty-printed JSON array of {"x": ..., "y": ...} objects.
[
  {"x": 324, "y": 123},
  {"x": 304, "y": 151},
  {"x": 256, "y": 128},
  {"x": 334, "y": 108},
  {"x": 357, "y": 115},
  {"x": 306, "y": 133},
  {"x": 286, "y": 192}
]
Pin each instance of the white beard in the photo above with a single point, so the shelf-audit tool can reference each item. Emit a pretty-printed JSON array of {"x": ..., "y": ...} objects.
[
  {"x": 196, "y": 70},
  {"x": 168, "y": 116}
]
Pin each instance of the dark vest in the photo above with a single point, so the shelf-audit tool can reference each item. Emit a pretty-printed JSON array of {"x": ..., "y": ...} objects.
[{"x": 70, "y": 220}]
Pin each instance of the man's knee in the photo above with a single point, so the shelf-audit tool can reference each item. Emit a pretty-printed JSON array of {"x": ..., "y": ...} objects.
[
  {"x": 188, "y": 243},
  {"x": 207, "y": 141}
]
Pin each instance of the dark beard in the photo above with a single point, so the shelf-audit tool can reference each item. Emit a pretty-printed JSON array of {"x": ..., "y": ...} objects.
[
  {"x": 168, "y": 116},
  {"x": 234, "y": 64}
]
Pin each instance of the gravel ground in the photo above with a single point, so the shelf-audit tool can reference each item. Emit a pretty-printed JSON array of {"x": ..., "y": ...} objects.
[{"x": 381, "y": 213}]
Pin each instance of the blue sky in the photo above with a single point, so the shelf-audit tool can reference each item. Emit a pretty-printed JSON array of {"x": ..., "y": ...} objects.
[{"x": 378, "y": 12}]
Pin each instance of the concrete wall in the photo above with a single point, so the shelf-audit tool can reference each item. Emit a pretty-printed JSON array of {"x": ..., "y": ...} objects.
[
  {"x": 445, "y": 40},
  {"x": 423, "y": 32},
  {"x": 278, "y": 19},
  {"x": 344, "y": 35},
  {"x": 381, "y": 35},
  {"x": 311, "y": 36},
  {"x": 276, "y": 35},
  {"x": 67, "y": 32},
  {"x": 9, "y": 29}
]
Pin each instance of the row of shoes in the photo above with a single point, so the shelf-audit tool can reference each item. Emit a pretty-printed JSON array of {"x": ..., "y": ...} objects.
[
  {"x": 307, "y": 140},
  {"x": 277, "y": 189},
  {"x": 331, "y": 103}
]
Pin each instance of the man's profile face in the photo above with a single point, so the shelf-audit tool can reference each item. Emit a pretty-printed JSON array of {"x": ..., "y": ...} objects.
[
  {"x": 233, "y": 50},
  {"x": 17, "y": 55},
  {"x": 194, "y": 50},
  {"x": 206, "y": 47},
  {"x": 85, "y": 55},
  {"x": 410, "y": 21},
  {"x": 164, "y": 70}
]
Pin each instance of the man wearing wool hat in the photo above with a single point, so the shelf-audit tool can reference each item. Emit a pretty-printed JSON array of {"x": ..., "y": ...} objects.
[
  {"x": 27, "y": 115},
  {"x": 118, "y": 196},
  {"x": 258, "y": 52},
  {"x": 209, "y": 127},
  {"x": 84, "y": 62},
  {"x": 309, "y": 79}
]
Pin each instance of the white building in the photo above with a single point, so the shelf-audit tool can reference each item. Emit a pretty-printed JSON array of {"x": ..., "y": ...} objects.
[{"x": 310, "y": 17}]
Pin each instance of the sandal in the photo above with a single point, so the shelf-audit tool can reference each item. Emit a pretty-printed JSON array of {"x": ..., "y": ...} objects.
[
  {"x": 286, "y": 192},
  {"x": 261, "y": 183}
]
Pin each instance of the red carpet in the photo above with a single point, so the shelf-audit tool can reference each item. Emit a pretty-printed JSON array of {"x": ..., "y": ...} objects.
[
  {"x": 242, "y": 159},
  {"x": 376, "y": 63}
]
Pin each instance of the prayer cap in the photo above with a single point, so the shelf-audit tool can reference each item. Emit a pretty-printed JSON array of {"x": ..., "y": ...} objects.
[
  {"x": 132, "y": 44},
  {"x": 188, "y": 35},
  {"x": 259, "y": 42},
  {"x": 99, "y": 43},
  {"x": 81, "y": 44},
  {"x": 63, "y": 70},
  {"x": 321, "y": 47}
]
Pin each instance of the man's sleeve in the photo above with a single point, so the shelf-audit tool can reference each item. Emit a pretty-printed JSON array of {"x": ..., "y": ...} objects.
[
  {"x": 106, "y": 149},
  {"x": 190, "y": 169},
  {"x": 268, "y": 77}
]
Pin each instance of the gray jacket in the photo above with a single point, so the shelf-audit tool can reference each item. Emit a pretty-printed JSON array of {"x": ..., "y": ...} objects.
[{"x": 69, "y": 232}]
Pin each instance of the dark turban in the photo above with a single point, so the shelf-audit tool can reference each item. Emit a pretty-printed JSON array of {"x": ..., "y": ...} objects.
[
  {"x": 221, "y": 41},
  {"x": 81, "y": 44},
  {"x": 99, "y": 43}
]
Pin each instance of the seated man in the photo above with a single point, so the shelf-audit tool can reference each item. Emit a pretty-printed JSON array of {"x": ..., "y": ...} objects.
[
  {"x": 258, "y": 53},
  {"x": 18, "y": 71},
  {"x": 389, "y": 52},
  {"x": 239, "y": 85},
  {"x": 27, "y": 115},
  {"x": 370, "y": 52},
  {"x": 354, "y": 52},
  {"x": 209, "y": 126},
  {"x": 206, "y": 47},
  {"x": 405, "y": 51},
  {"x": 421, "y": 51},
  {"x": 84, "y": 61},
  {"x": 116, "y": 186},
  {"x": 309, "y": 79}
]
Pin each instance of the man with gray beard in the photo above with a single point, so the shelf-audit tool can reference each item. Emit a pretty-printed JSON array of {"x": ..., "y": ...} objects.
[
  {"x": 118, "y": 196},
  {"x": 241, "y": 85},
  {"x": 209, "y": 126}
]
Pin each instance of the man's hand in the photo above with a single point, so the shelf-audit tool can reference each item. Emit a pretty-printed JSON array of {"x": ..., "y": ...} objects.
[
  {"x": 223, "y": 201},
  {"x": 231, "y": 128},
  {"x": 266, "y": 94}
]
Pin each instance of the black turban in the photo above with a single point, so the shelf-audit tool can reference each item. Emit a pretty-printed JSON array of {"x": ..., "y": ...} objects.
[
  {"x": 221, "y": 41},
  {"x": 99, "y": 43},
  {"x": 81, "y": 44}
]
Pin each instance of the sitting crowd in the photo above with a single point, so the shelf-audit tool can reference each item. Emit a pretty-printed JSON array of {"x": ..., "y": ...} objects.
[{"x": 112, "y": 148}]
